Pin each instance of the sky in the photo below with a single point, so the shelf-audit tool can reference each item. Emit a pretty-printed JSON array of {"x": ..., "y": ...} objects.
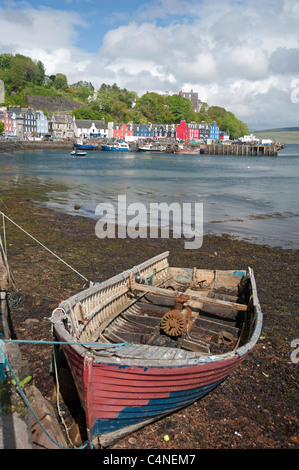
[{"x": 242, "y": 55}]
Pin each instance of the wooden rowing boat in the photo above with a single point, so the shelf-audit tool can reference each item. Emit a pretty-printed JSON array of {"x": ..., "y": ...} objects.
[{"x": 154, "y": 339}]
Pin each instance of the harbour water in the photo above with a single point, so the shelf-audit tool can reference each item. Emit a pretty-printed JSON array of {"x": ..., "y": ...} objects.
[{"x": 251, "y": 198}]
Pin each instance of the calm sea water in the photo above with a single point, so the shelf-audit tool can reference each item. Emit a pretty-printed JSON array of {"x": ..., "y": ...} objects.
[{"x": 252, "y": 198}]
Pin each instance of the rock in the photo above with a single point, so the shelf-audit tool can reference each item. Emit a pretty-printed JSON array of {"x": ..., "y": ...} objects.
[
  {"x": 14, "y": 356},
  {"x": 31, "y": 321},
  {"x": 75, "y": 435},
  {"x": 47, "y": 417},
  {"x": 14, "y": 432},
  {"x": 132, "y": 440}
]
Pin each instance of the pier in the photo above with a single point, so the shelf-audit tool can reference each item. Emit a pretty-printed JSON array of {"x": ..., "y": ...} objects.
[{"x": 241, "y": 149}]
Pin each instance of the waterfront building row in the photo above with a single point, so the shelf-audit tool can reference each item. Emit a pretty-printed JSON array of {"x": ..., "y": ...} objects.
[{"x": 27, "y": 124}]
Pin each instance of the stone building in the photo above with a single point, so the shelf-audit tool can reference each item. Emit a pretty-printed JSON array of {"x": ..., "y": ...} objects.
[
  {"x": 193, "y": 98},
  {"x": 61, "y": 125}
]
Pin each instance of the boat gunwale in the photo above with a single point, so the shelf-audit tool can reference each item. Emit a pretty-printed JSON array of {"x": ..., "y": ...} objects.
[{"x": 152, "y": 356}]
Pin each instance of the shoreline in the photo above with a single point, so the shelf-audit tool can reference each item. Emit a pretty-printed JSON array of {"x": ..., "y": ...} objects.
[
  {"x": 258, "y": 402},
  {"x": 245, "y": 149}
]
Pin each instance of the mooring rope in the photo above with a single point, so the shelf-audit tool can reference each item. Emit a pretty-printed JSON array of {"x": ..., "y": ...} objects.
[
  {"x": 58, "y": 402},
  {"x": 66, "y": 343},
  {"x": 3, "y": 250},
  {"x": 46, "y": 248},
  {"x": 25, "y": 399},
  {"x": 27, "y": 403}
]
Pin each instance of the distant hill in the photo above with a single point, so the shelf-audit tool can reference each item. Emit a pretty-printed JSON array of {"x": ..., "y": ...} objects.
[
  {"x": 27, "y": 85},
  {"x": 286, "y": 135}
]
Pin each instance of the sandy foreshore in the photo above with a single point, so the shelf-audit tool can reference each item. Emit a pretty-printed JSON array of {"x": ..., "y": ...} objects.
[{"x": 256, "y": 407}]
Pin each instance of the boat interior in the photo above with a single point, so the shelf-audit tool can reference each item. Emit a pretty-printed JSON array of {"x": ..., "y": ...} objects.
[
  {"x": 182, "y": 318},
  {"x": 204, "y": 311}
]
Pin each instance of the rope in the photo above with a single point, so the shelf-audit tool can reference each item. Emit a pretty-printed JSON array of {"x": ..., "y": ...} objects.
[
  {"x": 6, "y": 362},
  {"x": 26, "y": 401},
  {"x": 4, "y": 233},
  {"x": 3, "y": 250},
  {"x": 52, "y": 253},
  {"x": 105, "y": 346},
  {"x": 58, "y": 403}
]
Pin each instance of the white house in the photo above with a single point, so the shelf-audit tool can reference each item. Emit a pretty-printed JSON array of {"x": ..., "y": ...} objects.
[
  {"x": 42, "y": 125},
  {"x": 85, "y": 129}
]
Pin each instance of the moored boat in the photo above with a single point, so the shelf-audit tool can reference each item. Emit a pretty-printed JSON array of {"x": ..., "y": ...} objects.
[
  {"x": 186, "y": 150},
  {"x": 154, "y": 339},
  {"x": 117, "y": 147},
  {"x": 151, "y": 148},
  {"x": 78, "y": 153},
  {"x": 81, "y": 146}
]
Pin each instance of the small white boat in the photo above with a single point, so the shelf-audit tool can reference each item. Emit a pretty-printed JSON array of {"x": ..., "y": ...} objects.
[
  {"x": 78, "y": 153},
  {"x": 151, "y": 148}
]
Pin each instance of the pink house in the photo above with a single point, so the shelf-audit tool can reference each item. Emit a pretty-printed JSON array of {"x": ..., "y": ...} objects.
[
  {"x": 8, "y": 122},
  {"x": 188, "y": 131}
]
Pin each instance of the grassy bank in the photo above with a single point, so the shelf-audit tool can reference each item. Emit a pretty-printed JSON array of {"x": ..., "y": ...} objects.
[{"x": 286, "y": 137}]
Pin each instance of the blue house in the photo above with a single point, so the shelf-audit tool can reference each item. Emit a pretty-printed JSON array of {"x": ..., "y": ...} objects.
[
  {"x": 214, "y": 132},
  {"x": 143, "y": 131}
]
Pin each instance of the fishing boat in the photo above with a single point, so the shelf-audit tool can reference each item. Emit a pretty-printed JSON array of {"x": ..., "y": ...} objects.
[
  {"x": 78, "y": 153},
  {"x": 154, "y": 339},
  {"x": 151, "y": 148},
  {"x": 79, "y": 145},
  {"x": 117, "y": 147}
]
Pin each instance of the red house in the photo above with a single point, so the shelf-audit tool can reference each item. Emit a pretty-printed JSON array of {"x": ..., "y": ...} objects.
[{"x": 188, "y": 131}]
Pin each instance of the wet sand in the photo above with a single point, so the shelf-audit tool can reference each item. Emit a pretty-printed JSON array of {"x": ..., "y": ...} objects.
[{"x": 256, "y": 407}]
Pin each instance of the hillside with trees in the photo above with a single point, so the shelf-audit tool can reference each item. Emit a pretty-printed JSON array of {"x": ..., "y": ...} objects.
[{"x": 26, "y": 84}]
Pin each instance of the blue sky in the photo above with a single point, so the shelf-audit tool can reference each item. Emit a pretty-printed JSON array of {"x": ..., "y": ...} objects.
[{"x": 242, "y": 55}]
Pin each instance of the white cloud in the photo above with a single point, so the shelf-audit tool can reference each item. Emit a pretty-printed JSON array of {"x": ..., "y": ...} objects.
[
  {"x": 242, "y": 55},
  {"x": 144, "y": 42},
  {"x": 45, "y": 27}
]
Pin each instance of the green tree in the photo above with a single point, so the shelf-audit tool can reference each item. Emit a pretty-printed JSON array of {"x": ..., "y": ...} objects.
[
  {"x": 17, "y": 75},
  {"x": 60, "y": 82},
  {"x": 83, "y": 92},
  {"x": 5, "y": 60},
  {"x": 151, "y": 105},
  {"x": 103, "y": 102},
  {"x": 40, "y": 79},
  {"x": 1, "y": 127}
]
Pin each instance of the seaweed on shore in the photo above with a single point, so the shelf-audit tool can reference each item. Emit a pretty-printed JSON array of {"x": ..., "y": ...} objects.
[{"x": 257, "y": 407}]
